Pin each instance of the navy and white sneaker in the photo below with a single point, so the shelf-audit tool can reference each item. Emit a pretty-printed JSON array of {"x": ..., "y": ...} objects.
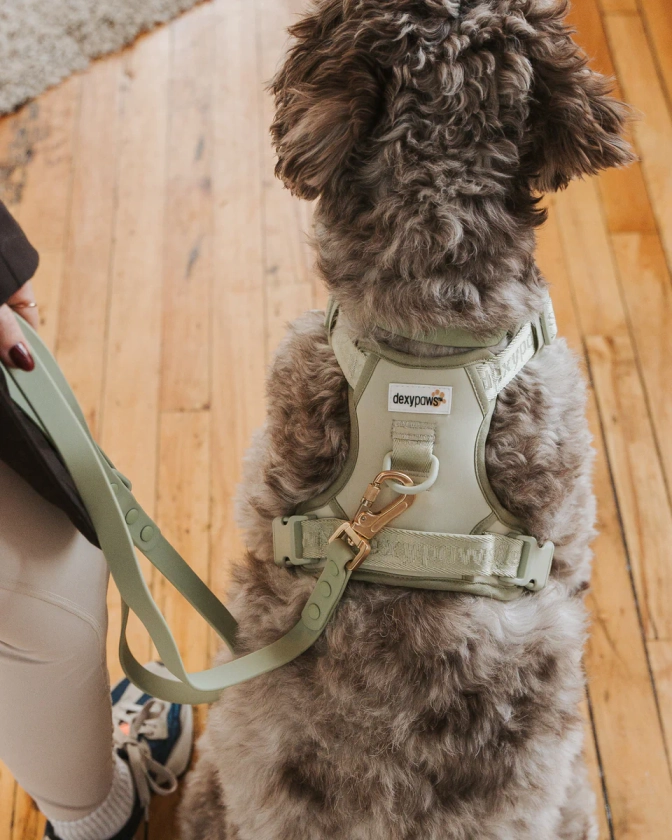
[{"x": 155, "y": 738}]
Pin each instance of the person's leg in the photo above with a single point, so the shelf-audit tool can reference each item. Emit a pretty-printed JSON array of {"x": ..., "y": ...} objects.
[{"x": 55, "y": 710}]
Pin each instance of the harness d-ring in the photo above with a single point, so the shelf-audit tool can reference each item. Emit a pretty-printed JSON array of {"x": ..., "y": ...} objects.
[{"x": 414, "y": 489}]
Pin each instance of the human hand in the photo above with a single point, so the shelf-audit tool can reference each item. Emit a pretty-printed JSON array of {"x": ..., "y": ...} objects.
[{"x": 13, "y": 346}]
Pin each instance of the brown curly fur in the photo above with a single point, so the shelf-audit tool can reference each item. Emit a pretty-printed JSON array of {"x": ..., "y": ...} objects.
[{"x": 426, "y": 128}]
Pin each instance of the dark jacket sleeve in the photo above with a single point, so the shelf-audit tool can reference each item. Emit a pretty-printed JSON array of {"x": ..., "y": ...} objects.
[
  {"x": 18, "y": 258},
  {"x": 23, "y": 447}
]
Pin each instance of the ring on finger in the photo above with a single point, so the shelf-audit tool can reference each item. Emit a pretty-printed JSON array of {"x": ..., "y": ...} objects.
[{"x": 24, "y": 305}]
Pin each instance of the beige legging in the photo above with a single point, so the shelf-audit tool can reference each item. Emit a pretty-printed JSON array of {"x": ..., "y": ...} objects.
[{"x": 55, "y": 720}]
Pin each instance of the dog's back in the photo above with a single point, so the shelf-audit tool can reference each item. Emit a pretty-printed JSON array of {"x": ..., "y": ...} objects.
[{"x": 425, "y": 126}]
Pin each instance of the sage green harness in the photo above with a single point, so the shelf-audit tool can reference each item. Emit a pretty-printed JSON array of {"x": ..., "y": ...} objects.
[
  {"x": 428, "y": 418},
  {"x": 455, "y": 536}
]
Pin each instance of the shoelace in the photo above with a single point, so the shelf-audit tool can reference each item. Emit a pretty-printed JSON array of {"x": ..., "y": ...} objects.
[{"x": 150, "y": 776}]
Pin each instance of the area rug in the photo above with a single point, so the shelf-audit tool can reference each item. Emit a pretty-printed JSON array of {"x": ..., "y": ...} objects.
[{"x": 43, "y": 41}]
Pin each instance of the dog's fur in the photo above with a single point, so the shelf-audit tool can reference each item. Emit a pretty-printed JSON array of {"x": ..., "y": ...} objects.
[{"x": 427, "y": 129}]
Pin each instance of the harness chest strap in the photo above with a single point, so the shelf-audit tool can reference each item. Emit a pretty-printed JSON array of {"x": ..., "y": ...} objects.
[{"x": 421, "y": 556}]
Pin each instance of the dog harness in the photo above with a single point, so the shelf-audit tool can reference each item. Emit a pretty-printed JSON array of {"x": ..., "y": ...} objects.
[
  {"x": 427, "y": 419},
  {"x": 418, "y": 427}
]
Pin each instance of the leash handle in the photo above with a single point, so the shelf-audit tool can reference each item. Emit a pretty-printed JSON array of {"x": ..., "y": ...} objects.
[{"x": 121, "y": 525}]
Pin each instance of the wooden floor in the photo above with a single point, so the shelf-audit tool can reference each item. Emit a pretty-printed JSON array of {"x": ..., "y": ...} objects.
[{"x": 172, "y": 259}]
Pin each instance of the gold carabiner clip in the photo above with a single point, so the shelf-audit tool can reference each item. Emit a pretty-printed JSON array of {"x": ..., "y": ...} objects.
[{"x": 366, "y": 523}]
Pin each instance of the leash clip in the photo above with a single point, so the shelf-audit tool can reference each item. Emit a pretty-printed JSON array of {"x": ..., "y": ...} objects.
[{"x": 366, "y": 523}]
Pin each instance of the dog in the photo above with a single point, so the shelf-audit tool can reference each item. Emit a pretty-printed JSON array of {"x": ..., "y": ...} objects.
[{"x": 427, "y": 129}]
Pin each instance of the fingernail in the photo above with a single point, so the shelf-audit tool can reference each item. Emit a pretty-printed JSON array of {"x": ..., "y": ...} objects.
[{"x": 21, "y": 357}]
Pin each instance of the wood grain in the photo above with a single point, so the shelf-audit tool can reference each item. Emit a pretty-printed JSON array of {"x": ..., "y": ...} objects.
[
  {"x": 653, "y": 130},
  {"x": 657, "y": 19},
  {"x": 661, "y": 661},
  {"x": 623, "y": 699},
  {"x": 287, "y": 279},
  {"x": 187, "y": 267},
  {"x": 84, "y": 298},
  {"x": 623, "y": 191},
  {"x": 638, "y": 477},
  {"x": 647, "y": 293}
]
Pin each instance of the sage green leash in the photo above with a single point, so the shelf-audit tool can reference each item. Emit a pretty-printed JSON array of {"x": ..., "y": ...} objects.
[{"x": 121, "y": 525}]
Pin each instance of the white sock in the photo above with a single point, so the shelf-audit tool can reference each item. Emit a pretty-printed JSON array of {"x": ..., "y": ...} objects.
[{"x": 110, "y": 817}]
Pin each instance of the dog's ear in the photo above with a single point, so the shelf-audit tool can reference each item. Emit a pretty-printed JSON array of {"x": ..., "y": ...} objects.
[
  {"x": 326, "y": 94},
  {"x": 575, "y": 126}
]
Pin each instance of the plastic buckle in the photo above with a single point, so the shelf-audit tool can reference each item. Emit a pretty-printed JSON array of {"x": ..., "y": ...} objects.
[
  {"x": 535, "y": 564},
  {"x": 288, "y": 540}
]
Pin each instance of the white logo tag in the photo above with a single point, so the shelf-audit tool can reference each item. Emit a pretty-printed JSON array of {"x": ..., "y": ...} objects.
[{"x": 419, "y": 399}]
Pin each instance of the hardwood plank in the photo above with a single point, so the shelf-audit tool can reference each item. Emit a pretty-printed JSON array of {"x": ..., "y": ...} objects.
[
  {"x": 595, "y": 774},
  {"x": 637, "y": 475},
  {"x": 129, "y": 428},
  {"x": 183, "y": 514},
  {"x": 238, "y": 334},
  {"x": 624, "y": 193},
  {"x": 660, "y": 654},
  {"x": 627, "y": 6},
  {"x": 658, "y": 22},
  {"x": 287, "y": 278},
  {"x": 647, "y": 291},
  {"x": 653, "y": 132},
  {"x": 82, "y": 321},
  {"x": 7, "y": 795},
  {"x": 618, "y": 675},
  {"x": 589, "y": 260},
  {"x": 622, "y": 696},
  {"x": 28, "y": 822},
  {"x": 44, "y": 206},
  {"x": 185, "y": 372}
]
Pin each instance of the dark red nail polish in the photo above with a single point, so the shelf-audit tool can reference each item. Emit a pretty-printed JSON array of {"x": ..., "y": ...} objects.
[{"x": 21, "y": 357}]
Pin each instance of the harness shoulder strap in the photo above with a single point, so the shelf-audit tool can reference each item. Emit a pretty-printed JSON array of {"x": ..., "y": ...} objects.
[{"x": 495, "y": 373}]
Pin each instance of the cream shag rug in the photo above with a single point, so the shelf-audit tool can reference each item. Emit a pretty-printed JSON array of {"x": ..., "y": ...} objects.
[{"x": 43, "y": 41}]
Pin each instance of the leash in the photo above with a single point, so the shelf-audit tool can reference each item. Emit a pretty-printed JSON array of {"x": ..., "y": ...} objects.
[{"x": 122, "y": 526}]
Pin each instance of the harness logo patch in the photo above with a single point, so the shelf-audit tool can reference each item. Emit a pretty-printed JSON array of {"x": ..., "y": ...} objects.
[{"x": 419, "y": 399}]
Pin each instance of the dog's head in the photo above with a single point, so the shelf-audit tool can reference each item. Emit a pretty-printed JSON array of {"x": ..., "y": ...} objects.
[{"x": 428, "y": 126}]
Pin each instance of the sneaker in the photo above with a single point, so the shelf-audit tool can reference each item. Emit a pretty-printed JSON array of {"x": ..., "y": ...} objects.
[{"x": 155, "y": 738}]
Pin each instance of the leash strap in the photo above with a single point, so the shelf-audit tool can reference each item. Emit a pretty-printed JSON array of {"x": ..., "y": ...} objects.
[{"x": 121, "y": 525}]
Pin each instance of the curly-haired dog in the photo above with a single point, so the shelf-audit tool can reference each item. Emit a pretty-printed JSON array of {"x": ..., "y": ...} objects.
[{"x": 426, "y": 128}]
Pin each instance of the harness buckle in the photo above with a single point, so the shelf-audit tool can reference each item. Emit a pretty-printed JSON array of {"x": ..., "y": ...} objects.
[
  {"x": 287, "y": 540},
  {"x": 366, "y": 523},
  {"x": 535, "y": 564}
]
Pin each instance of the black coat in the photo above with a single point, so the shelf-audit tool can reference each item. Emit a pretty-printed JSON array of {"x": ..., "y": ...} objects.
[{"x": 22, "y": 446}]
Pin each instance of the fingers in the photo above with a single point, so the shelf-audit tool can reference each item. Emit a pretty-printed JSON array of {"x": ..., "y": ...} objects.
[
  {"x": 18, "y": 301},
  {"x": 13, "y": 347}
]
